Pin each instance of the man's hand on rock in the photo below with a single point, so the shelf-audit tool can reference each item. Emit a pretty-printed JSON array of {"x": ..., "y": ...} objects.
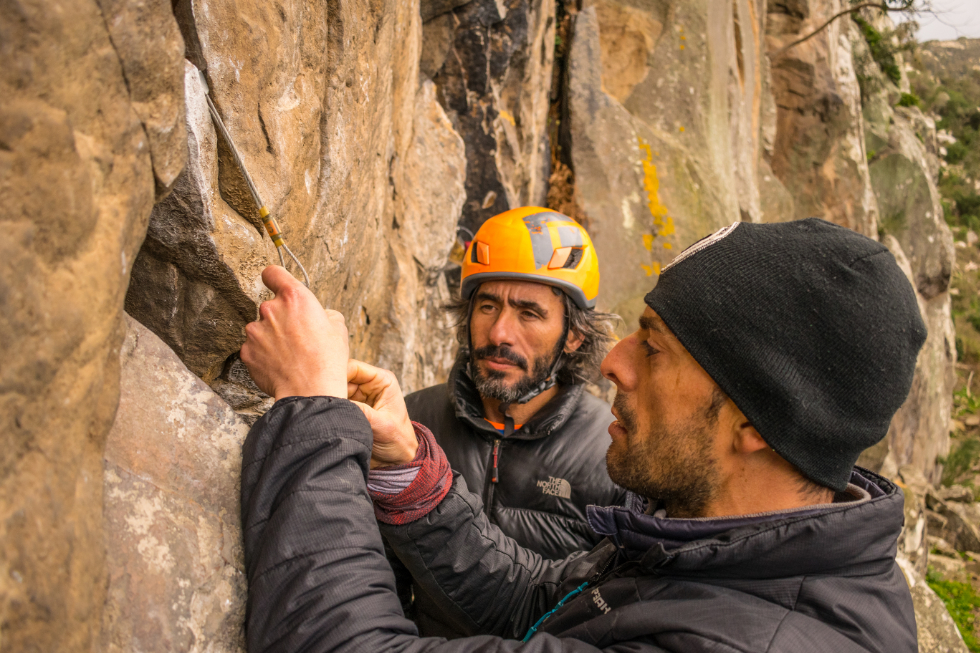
[
  {"x": 296, "y": 348},
  {"x": 376, "y": 393}
]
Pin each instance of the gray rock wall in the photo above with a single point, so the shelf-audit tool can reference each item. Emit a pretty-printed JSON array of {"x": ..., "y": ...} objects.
[
  {"x": 176, "y": 578},
  {"x": 352, "y": 155},
  {"x": 491, "y": 61},
  {"x": 670, "y": 154},
  {"x": 91, "y": 130}
]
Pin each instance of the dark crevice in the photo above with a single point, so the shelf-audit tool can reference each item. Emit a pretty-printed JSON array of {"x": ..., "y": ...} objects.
[
  {"x": 562, "y": 195},
  {"x": 265, "y": 133},
  {"x": 193, "y": 52}
]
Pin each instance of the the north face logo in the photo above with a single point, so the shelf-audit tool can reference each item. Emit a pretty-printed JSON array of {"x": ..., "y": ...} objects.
[{"x": 556, "y": 487}]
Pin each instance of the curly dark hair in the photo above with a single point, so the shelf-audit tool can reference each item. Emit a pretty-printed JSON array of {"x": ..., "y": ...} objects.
[{"x": 581, "y": 365}]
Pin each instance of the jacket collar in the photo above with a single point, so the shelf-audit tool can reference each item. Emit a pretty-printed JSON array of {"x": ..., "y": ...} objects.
[
  {"x": 469, "y": 407},
  {"x": 810, "y": 540}
]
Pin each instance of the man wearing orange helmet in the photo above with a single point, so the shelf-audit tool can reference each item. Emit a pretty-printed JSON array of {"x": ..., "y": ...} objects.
[{"x": 514, "y": 419}]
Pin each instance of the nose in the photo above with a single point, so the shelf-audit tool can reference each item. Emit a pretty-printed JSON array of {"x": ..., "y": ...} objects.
[
  {"x": 502, "y": 331},
  {"x": 617, "y": 366}
]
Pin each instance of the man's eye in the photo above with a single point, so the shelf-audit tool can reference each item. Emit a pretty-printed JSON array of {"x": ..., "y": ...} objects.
[
  {"x": 528, "y": 315},
  {"x": 649, "y": 349}
]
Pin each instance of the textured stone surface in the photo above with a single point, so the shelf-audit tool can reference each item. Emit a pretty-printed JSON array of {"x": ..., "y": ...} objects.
[
  {"x": 494, "y": 73},
  {"x": 913, "y": 545},
  {"x": 171, "y": 507},
  {"x": 353, "y": 156},
  {"x": 818, "y": 151},
  {"x": 961, "y": 524},
  {"x": 654, "y": 137},
  {"x": 910, "y": 207},
  {"x": 936, "y": 630},
  {"x": 78, "y": 171},
  {"x": 186, "y": 280},
  {"x": 420, "y": 345},
  {"x": 151, "y": 50},
  {"x": 671, "y": 120}
]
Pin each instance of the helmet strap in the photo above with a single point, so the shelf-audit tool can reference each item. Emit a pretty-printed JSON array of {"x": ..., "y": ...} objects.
[{"x": 556, "y": 366}]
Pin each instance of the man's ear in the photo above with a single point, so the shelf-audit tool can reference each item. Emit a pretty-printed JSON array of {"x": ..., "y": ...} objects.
[
  {"x": 573, "y": 341},
  {"x": 745, "y": 439}
]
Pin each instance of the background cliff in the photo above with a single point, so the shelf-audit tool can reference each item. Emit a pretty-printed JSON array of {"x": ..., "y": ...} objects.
[{"x": 380, "y": 134}]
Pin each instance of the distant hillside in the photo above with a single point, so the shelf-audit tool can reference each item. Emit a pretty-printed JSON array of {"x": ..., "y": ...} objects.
[
  {"x": 959, "y": 58},
  {"x": 946, "y": 79}
]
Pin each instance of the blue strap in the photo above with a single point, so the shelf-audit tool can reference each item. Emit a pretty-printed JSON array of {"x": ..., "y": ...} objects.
[{"x": 540, "y": 621}]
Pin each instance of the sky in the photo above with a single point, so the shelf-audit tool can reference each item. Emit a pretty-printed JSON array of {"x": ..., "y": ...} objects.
[{"x": 953, "y": 19}]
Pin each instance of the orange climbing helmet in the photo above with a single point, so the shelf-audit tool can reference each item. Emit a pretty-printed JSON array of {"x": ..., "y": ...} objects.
[{"x": 534, "y": 244}]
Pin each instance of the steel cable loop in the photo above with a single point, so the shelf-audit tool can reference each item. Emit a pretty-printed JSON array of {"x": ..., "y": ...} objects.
[{"x": 293, "y": 256}]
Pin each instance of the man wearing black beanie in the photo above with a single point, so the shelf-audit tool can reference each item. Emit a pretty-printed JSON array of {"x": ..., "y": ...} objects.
[{"x": 769, "y": 356}]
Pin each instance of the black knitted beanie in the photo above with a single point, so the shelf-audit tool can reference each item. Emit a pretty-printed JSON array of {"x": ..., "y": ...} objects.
[{"x": 810, "y": 328}]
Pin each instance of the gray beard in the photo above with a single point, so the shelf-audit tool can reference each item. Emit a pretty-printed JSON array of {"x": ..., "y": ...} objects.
[{"x": 490, "y": 383}]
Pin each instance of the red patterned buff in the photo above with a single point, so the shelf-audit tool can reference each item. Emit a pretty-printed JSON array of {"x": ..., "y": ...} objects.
[{"x": 430, "y": 486}]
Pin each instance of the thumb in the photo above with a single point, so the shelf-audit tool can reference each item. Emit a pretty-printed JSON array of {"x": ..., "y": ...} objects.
[
  {"x": 370, "y": 413},
  {"x": 276, "y": 278}
]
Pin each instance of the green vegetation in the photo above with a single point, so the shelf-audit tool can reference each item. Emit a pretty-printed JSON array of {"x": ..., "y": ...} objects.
[
  {"x": 909, "y": 100},
  {"x": 962, "y": 601},
  {"x": 963, "y": 460},
  {"x": 962, "y": 465},
  {"x": 881, "y": 49},
  {"x": 948, "y": 86}
]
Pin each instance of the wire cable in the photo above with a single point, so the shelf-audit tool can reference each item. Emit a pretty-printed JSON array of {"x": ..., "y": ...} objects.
[{"x": 270, "y": 223}]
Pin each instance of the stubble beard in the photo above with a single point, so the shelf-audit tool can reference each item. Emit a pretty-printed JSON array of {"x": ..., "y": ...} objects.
[
  {"x": 675, "y": 467},
  {"x": 492, "y": 384}
]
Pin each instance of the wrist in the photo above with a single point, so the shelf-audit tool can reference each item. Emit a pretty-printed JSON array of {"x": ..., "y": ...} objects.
[
  {"x": 401, "y": 451},
  {"x": 311, "y": 390}
]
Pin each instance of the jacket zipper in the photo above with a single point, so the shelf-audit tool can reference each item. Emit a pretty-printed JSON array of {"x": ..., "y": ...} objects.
[
  {"x": 605, "y": 568},
  {"x": 493, "y": 477}
]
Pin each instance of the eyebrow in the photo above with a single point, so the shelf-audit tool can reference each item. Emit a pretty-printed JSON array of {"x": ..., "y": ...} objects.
[
  {"x": 654, "y": 324},
  {"x": 513, "y": 303}
]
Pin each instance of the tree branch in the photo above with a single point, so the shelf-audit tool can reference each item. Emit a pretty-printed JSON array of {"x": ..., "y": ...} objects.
[{"x": 849, "y": 10}]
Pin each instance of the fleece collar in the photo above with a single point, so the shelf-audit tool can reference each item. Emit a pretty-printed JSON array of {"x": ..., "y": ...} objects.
[{"x": 637, "y": 533}]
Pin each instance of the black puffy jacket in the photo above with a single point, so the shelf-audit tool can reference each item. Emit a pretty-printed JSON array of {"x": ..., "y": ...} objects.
[
  {"x": 809, "y": 582},
  {"x": 548, "y": 471}
]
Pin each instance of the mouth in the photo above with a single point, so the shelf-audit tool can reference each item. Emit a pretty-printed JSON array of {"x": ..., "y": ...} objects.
[
  {"x": 616, "y": 429},
  {"x": 499, "y": 363}
]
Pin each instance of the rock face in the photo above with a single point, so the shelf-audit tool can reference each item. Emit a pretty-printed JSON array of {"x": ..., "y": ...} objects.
[
  {"x": 359, "y": 165},
  {"x": 172, "y": 514},
  {"x": 818, "y": 150},
  {"x": 491, "y": 61},
  {"x": 654, "y": 136},
  {"x": 677, "y": 127},
  {"x": 936, "y": 630},
  {"x": 90, "y": 130}
]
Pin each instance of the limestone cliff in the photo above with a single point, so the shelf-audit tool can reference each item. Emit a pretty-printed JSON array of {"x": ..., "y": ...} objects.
[{"x": 375, "y": 133}]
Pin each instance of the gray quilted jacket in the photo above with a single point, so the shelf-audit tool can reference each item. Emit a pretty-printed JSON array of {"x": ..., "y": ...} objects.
[{"x": 318, "y": 579}]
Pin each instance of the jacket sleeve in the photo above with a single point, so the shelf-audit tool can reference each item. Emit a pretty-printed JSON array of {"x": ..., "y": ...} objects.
[
  {"x": 403, "y": 581},
  {"x": 481, "y": 580},
  {"x": 317, "y": 574}
]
